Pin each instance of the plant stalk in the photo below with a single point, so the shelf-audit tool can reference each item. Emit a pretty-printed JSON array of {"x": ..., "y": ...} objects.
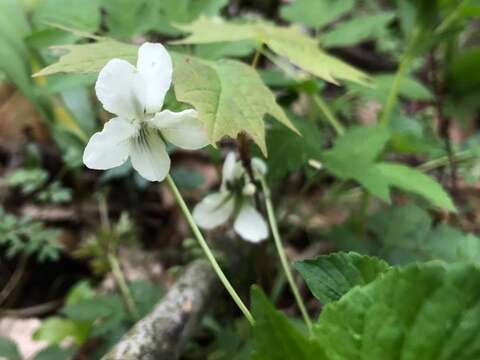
[
  {"x": 122, "y": 286},
  {"x": 397, "y": 81},
  {"x": 283, "y": 257},
  {"x": 206, "y": 249},
  {"x": 328, "y": 114}
]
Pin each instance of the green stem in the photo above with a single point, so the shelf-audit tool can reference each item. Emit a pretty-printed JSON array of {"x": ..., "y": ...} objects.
[
  {"x": 393, "y": 94},
  {"x": 208, "y": 253},
  {"x": 283, "y": 257},
  {"x": 397, "y": 81},
  {"x": 445, "y": 160},
  {"x": 328, "y": 114},
  {"x": 451, "y": 17},
  {"x": 122, "y": 286},
  {"x": 256, "y": 56}
]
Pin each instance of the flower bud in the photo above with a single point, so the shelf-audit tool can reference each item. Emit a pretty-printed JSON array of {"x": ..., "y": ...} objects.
[{"x": 249, "y": 189}]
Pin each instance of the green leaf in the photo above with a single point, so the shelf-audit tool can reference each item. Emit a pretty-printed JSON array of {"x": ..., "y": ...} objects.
[
  {"x": 89, "y": 58},
  {"x": 274, "y": 337},
  {"x": 356, "y": 30},
  {"x": 353, "y": 156},
  {"x": 54, "y": 353},
  {"x": 329, "y": 277},
  {"x": 451, "y": 244},
  {"x": 146, "y": 295},
  {"x": 464, "y": 77},
  {"x": 56, "y": 329},
  {"x": 9, "y": 349},
  {"x": 359, "y": 144},
  {"x": 91, "y": 309},
  {"x": 126, "y": 18},
  {"x": 183, "y": 12},
  {"x": 414, "y": 181},
  {"x": 290, "y": 42},
  {"x": 315, "y": 13},
  {"x": 305, "y": 53},
  {"x": 80, "y": 15},
  {"x": 410, "y": 88},
  {"x": 79, "y": 292},
  {"x": 290, "y": 153},
  {"x": 229, "y": 96},
  {"x": 423, "y": 311},
  {"x": 216, "y": 51},
  {"x": 407, "y": 234},
  {"x": 400, "y": 226},
  {"x": 14, "y": 54}
]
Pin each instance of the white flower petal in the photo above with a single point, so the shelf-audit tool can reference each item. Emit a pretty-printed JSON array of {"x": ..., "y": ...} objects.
[
  {"x": 228, "y": 169},
  {"x": 213, "y": 210},
  {"x": 155, "y": 66},
  {"x": 182, "y": 129},
  {"x": 110, "y": 147},
  {"x": 232, "y": 169},
  {"x": 149, "y": 156},
  {"x": 259, "y": 167},
  {"x": 250, "y": 224},
  {"x": 120, "y": 89}
]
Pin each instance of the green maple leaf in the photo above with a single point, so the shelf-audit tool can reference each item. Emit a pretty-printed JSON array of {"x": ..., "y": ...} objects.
[{"x": 299, "y": 48}]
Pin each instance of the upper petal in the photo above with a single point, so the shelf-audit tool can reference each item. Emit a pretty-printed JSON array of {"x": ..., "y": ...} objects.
[
  {"x": 110, "y": 147},
  {"x": 228, "y": 169},
  {"x": 149, "y": 156},
  {"x": 120, "y": 89},
  {"x": 232, "y": 169},
  {"x": 213, "y": 210},
  {"x": 182, "y": 129},
  {"x": 250, "y": 224},
  {"x": 259, "y": 167},
  {"x": 155, "y": 66}
]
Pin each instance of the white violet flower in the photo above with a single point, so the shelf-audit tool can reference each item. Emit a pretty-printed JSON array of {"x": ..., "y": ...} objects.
[
  {"x": 135, "y": 95},
  {"x": 234, "y": 198}
]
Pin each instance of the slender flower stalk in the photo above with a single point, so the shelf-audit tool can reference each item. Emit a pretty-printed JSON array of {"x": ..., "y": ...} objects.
[
  {"x": 328, "y": 114},
  {"x": 122, "y": 286},
  {"x": 118, "y": 275},
  {"x": 283, "y": 257},
  {"x": 402, "y": 70},
  {"x": 208, "y": 253},
  {"x": 273, "y": 222}
]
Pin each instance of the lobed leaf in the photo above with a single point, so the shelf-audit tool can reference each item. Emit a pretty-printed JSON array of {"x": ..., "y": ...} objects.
[
  {"x": 290, "y": 42},
  {"x": 89, "y": 58}
]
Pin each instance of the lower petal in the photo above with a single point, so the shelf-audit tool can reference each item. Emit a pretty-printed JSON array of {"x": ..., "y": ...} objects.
[
  {"x": 213, "y": 210},
  {"x": 250, "y": 224},
  {"x": 109, "y": 148},
  {"x": 182, "y": 129},
  {"x": 149, "y": 156}
]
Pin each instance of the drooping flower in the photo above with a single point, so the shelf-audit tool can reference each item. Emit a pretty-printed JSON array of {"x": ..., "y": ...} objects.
[
  {"x": 236, "y": 197},
  {"x": 139, "y": 130}
]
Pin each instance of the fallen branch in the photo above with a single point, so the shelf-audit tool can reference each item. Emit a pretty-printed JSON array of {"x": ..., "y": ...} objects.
[{"x": 162, "y": 333}]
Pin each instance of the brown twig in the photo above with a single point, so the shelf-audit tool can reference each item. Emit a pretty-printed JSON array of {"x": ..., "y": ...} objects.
[
  {"x": 32, "y": 311},
  {"x": 444, "y": 121},
  {"x": 14, "y": 279},
  {"x": 163, "y": 333}
]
